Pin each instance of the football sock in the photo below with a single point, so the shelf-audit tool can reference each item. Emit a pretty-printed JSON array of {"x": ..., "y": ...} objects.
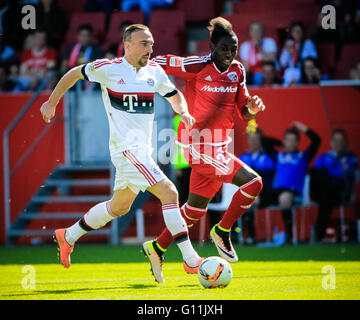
[
  {"x": 190, "y": 214},
  {"x": 97, "y": 217},
  {"x": 176, "y": 225},
  {"x": 241, "y": 201}
]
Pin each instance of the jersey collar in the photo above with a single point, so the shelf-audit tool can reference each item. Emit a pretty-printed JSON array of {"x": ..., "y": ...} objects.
[
  {"x": 129, "y": 65},
  {"x": 216, "y": 68}
]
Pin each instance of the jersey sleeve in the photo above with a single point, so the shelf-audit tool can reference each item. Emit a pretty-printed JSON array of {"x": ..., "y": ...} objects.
[
  {"x": 164, "y": 86},
  {"x": 185, "y": 68},
  {"x": 96, "y": 71},
  {"x": 242, "y": 93}
]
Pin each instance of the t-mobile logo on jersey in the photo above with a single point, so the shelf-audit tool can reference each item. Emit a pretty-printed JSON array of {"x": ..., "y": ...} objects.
[
  {"x": 132, "y": 98},
  {"x": 219, "y": 89}
]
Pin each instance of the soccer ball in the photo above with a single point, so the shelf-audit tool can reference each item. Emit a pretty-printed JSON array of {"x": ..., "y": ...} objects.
[{"x": 214, "y": 272}]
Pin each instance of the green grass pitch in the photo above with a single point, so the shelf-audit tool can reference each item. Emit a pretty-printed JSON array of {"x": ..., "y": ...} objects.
[{"x": 122, "y": 272}]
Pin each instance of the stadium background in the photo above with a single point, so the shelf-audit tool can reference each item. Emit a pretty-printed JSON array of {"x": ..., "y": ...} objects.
[
  {"x": 31, "y": 151},
  {"x": 51, "y": 174}
]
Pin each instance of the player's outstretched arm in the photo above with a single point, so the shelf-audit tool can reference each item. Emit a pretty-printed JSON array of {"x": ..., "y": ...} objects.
[
  {"x": 253, "y": 106},
  {"x": 66, "y": 82},
  {"x": 179, "y": 105}
]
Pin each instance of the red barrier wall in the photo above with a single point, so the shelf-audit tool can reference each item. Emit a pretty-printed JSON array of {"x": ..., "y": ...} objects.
[
  {"x": 343, "y": 107},
  {"x": 44, "y": 158},
  {"x": 284, "y": 106}
]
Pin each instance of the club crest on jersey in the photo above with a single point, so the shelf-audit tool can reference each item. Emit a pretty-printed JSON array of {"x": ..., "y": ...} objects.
[
  {"x": 155, "y": 171},
  {"x": 175, "y": 62},
  {"x": 233, "y": 76},
  {"x": 150, "y": 82}
]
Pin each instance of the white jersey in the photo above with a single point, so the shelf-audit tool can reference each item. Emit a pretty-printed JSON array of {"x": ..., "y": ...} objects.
[{"x": 128, "y": 97}]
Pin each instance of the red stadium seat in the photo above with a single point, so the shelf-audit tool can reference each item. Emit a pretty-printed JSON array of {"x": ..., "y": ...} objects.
[
  {"x": 70, "y": 6},
  {"x": 241, "y": 26},
  {"x": 95, "y": 19},
  {"x": 202, "y": 48},
  {"x": 350, "y": 55},
  {"x": 166, "y": 21},
  {"x": 117, "y": 18},
  {"x": 326, "y": 53},
  {"x": 198, "y": 10},
  {"x": 256, "y": 6},
  {"x": 273, "y": 20},
  {"x": 168, "y": 28}
]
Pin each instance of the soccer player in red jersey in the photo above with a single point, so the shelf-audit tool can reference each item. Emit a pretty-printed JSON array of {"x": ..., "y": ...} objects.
[{"x": 215, "y": 91}]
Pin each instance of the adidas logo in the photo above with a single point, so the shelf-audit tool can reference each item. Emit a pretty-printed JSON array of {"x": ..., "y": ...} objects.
[
  {"x": 208, "y": 78},
  {"x": 121, "y": 81}
]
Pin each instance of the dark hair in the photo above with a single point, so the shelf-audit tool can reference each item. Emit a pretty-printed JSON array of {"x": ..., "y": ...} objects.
[
  {"x": 269, "y": 63},
  {"x": 219, "y": 28},
  {"x": 131, "y": 29},
  {"x": 339, "y": 131},
  {"x": 294, "y": 132},
  {"x": 85, "y": 26},
  {"x": 302, "y": 27},
  {"x": 303, "y": 78},
  {"x": 260, "y": 24}
]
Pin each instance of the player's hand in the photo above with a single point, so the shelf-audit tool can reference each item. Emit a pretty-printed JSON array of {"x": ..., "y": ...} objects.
[
  {"x": 188, "y": 120},
  {"x": 47, "y": 111},
  {"x": 255, "y": 104},
  {"x": 300, "y": 126}
]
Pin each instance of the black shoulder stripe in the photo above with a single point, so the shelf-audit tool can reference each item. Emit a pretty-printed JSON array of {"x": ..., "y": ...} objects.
[
  {"x": 83, "y": 72},
  {"x": 170, "y": 94}
]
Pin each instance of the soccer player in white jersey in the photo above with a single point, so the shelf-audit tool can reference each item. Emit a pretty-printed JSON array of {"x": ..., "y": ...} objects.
[{"x": 128, "y": 85}]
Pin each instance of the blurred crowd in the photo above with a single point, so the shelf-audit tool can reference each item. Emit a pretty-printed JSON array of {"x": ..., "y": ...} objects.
[
  {"x": 29, "y": 57},
  {"x": 284, "y": 167}
]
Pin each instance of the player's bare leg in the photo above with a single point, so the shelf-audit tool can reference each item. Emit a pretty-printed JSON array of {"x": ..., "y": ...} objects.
[
  {"x": 97, "y": 217},
  {"x": 166, "y": 192}
]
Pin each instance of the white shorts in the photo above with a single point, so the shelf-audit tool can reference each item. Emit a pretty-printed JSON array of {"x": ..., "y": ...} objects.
[{"x": 136, "y": 170}]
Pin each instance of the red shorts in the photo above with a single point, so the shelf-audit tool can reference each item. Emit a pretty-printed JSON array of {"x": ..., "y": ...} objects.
[{"x": 211, "y": 167}]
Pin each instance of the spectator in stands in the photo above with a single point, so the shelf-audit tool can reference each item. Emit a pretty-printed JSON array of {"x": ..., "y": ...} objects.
[
  {"x": 6, "y": 84},
  {"x": 321, "y": 35},
  {"x": 39, "y": 60},
  {"x": 332, "y": 180},
  {"x": 146, "y": 6},
  {"x": 36, "y": 63},
  {"x": 296, "y": 49},
  {"x": 83, "y": 51},
  {"x": 53, "y": 20},
  {"x": 310, "y": 72},
  {"x": 117, "y": 49},
  {"x": 261, "y": 156},
  {"x": 269, "y": 74},
  {"x": 355, "y": 72},
  {"x": 291, "y": 170},
  {"x": 7, "y": 54},
  {"x": 256, "y": 50},
  {"x": 347, "y": 19}
]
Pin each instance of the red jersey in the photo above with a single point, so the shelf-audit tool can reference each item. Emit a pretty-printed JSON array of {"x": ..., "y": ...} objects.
[
  {"x": 213, "y": 97},
  {"x": 36, "y": 61}
]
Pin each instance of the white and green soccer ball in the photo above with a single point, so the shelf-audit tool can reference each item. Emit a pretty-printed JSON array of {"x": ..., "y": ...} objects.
[{"x": 214, "y": 272}]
